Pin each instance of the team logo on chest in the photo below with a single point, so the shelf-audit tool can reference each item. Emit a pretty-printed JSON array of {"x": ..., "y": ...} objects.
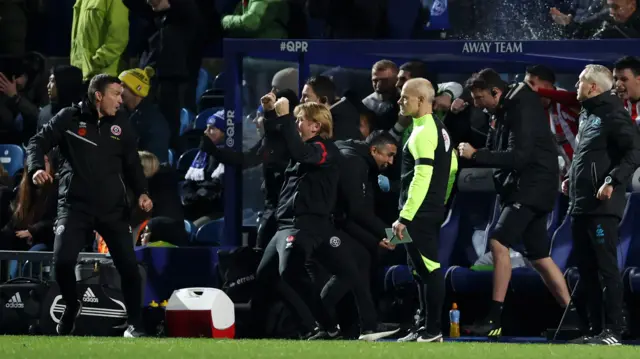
[
  {"x": 447, "y": 141},
  {"x": 116, "y": 130},
  {"x": 82, "y": 128}
]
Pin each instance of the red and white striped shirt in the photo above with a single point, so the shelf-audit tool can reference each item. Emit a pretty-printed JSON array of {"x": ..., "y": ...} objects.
[
  {"x": 564, "y": 125},
  {"x": 634, "y": 110}
]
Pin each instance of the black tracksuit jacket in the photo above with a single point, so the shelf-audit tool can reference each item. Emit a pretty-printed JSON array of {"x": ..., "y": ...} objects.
[
  {"x": 522, "y": 149},
  {"x": 355, "y": 210},
  {"x": 98, "y": 158},
  {"x": 270, "y": 151},
  {"x": 311, "y": 178},
  {"x": 608, "y": 145}
]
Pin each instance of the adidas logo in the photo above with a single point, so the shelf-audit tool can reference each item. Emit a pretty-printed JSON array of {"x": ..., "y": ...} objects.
[
  {"x": 15, "y": 302},
  {"x": 89, "y": 297}
]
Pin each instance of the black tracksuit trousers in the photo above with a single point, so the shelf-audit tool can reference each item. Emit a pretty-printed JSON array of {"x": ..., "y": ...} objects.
[
  {"x": 283, "y": 268},
  {"x": 595, "y": 245},
  {"x": 349, "y": 263},
  {"x": 423, "y": 258},
  {"x": 72, "y": 230}
]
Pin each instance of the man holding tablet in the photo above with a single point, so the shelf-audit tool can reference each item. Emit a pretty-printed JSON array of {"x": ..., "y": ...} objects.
[{"x": 429, "y": 166}]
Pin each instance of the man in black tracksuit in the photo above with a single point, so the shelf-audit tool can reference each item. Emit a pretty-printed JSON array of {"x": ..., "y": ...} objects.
[
  {"x": 305, "y": 205},
  {"x": 98, "y": 146},
  {"x": 521, "y": 149},
  {"x": 607, "y": 154},
  {"x": 362, "y": 232}
]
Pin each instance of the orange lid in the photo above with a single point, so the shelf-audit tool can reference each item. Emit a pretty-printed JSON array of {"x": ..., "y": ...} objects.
[{"x": 455, "y": 306}]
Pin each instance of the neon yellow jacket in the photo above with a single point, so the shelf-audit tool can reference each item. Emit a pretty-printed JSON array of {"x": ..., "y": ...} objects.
[{"x": 99, "y": 36}]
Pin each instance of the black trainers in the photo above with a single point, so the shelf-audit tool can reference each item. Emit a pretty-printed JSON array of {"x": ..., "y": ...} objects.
[
  {"x": 413, "y": 335},
  {"x": 426, "y": 337},
  {"x": 585, "y": 339},
  {"x": 381, "y": 331},
  {"x": 489, "y": 329},
  {"x": 133, "y": 332},
  {"x": 67, "y": 324},
  {"x": 320, "y": 334},
  {"x": 607, "y": 337}
]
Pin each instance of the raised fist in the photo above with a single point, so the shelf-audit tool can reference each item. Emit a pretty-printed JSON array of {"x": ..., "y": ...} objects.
[
  {"x": 282, "y": 106},
  {"x": 268, "y": 101}
]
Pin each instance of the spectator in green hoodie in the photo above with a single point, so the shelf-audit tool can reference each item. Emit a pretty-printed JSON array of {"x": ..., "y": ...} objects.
[{"x": 265, "y": 19}]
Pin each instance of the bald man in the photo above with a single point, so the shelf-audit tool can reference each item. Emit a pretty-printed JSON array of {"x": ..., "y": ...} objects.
[{"x": 429, "y": 167}]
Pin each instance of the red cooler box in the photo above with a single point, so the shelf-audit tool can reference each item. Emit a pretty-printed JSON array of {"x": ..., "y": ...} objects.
[{"x": 200, "y": 312}]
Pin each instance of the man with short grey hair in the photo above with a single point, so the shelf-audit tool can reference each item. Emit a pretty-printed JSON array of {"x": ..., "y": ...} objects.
[{"x": 607, "y": 154}]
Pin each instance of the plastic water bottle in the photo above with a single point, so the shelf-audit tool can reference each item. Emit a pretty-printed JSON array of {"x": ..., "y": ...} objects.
[{"x": 454, "y": 321}]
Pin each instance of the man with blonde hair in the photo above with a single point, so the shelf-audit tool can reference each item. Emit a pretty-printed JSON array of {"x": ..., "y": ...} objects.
[
  {"x": 607, "y": 154},
  {"x": 306, "y": 202},
  {"x": 429, "y": 167}
]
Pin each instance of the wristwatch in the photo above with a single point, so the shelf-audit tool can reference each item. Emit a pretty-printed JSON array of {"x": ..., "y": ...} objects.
[{"x": 608, "y": 180}]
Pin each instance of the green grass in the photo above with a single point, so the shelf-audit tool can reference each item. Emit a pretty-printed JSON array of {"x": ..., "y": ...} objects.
[{"x": 26, "y": 347}]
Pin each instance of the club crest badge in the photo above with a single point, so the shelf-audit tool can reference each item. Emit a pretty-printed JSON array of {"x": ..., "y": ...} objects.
[{"x": 116, "y": 130}]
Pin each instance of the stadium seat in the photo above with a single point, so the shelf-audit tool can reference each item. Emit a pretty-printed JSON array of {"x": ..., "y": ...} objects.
[
  {"x": 218, "y": 82},
  {"x": 211, "y": 233},
  {"x": 185, "y": 160},
  {"x": 201, "y": 120},
  {"x": 474, "y": 210},
  {"x": 187, "y": 119},
  {"x": 191, "y": 229},
  {"x": 631, "y": 274},
  {"x": 463, "y": 279},
  {"x": 204, "y": 80},
  {"x": 171, "y": 157},
  {"x": 12, "y": 158},
  {"x": 401, "y": 274},
  {"x": 556, "y": 217}
]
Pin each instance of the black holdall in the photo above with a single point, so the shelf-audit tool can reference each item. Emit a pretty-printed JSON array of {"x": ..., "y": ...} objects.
[
  {"x": 20, "y": 305},
  {"x": 103, "y": 310}
]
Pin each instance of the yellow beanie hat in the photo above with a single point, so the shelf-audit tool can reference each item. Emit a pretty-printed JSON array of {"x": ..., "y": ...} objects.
[{"x": 138, "y": 80}]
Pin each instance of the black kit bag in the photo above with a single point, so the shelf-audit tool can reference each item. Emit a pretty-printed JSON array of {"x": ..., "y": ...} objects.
[
  {"x": 20, "y": 305},
  {"x": 237, "y": 269},
  {"x": 103, "y": 310}
]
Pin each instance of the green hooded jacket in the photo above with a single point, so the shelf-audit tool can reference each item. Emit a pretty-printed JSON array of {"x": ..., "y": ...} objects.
[
  {"x": 266, "y": 19},
  {"x": 99, "y": 36}
]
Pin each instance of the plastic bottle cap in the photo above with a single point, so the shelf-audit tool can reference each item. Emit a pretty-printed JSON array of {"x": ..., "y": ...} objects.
[{"x": 455, "y": 306}]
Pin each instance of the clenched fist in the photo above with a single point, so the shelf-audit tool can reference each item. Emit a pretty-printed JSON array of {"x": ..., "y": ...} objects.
[
  {"x": 145, "y": 203},
  {"x": 282, "y": 106},
  {"x": 41, "y": 177},
  {"x": 268, "y": 101}
]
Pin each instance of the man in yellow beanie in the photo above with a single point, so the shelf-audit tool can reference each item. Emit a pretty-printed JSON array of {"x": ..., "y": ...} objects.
[{"x": 150, "y": 125}]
